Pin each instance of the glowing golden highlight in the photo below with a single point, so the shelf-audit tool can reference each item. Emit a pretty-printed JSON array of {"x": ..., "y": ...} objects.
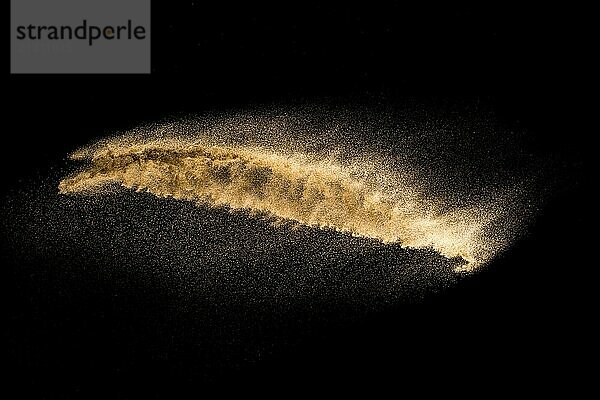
[{"x": 287, "y": 187}]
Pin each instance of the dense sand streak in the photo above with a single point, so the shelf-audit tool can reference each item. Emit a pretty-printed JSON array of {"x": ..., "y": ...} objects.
[{"x": 287, "y": 187}]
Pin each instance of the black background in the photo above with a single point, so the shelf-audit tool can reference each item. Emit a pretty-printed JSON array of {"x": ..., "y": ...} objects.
[{"x": 523, "y": 321}]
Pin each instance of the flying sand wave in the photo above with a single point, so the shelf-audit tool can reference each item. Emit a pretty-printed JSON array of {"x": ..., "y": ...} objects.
[{"x": 287, "y": 187}]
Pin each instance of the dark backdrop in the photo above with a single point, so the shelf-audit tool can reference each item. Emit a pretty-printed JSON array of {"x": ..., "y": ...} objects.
[{"x": 524, "y": 321}]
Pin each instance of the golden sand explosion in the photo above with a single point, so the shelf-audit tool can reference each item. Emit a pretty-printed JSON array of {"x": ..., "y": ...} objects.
[{"x": 287, "y": 187}]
